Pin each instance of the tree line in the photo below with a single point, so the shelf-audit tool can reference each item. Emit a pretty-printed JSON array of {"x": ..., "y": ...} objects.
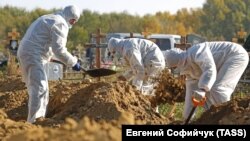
[{"x": 216, "y": 20}]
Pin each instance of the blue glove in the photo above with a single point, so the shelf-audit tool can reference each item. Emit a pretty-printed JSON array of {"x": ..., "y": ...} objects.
[{"x": 77, "y": 67}]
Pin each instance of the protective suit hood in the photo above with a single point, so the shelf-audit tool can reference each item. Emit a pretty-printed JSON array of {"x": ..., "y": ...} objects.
[
  {"x": 71, "y": 12},
  {"x": 174, "y": 57},
  {"x": 116, "y": 45}
]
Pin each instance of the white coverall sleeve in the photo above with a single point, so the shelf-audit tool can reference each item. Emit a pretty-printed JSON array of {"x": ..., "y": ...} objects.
[
  {"x": 204, "y": 59},
  {"x": 128, "y": 74},
  {"x": 135, "y": 61},
  {"x": 59, "y": 40}
]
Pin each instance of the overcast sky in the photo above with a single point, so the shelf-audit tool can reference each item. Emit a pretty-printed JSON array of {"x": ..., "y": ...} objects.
[{"x": 134, "y": 7}]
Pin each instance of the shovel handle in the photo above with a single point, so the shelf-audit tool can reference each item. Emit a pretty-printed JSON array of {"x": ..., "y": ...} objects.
[
  {"x": 190, "y": 115},
  {"x": 83, "y": 69},
  {"x": 195, "y": 103}
]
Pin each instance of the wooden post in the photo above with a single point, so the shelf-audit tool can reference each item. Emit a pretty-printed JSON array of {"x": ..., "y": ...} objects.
[
  {"x": 131, "y": 35},
  {"x": 241, "y": 36},
  {"x": 12, "y": 65},
  {"x": 241, "y": 33},
  {"x": 146, "y": 33},
  {"x": 13, "y": 34},
  {"x": 98, "y": 37},
  {"x": 183, "y": 45},
  {"x": 183, "y": 40},
  {"x": 97, "y": 45}
]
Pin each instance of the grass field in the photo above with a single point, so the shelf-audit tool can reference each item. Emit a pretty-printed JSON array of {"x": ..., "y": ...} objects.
[{"x": 176, "y": 113}]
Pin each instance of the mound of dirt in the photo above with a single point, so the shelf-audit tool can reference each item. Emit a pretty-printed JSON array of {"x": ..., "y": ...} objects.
[
  {"x": 101, "y": 101},
  {"x": 88, "y": 130},
  {"x": 169, "y": 89},
  {"x": 9, "y": 127},
  {"x": 85, "y": 129},
  {"x": 236, "y": 111},
  {"x": 13, "y": 97},
  {"x": 11, "y": 83},
  {"x": 96, "y": 111},
  {"x": 91, "y": 111}
]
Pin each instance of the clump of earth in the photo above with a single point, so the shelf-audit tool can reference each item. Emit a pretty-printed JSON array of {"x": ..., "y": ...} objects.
[
  {"x": 170, "y": 89},
  {"x": 236, "y": 111}
]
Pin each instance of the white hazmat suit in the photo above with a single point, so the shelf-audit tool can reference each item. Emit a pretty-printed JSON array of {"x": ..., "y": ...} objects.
[
  {"x": 212, "y": 69},
  {"x": 45, "y": 32},
  {"x": 144, "y": 58}
]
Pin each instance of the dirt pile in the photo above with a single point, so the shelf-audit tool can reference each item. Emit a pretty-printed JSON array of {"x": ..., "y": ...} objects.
[
  {"x": 9, "y": 127},
  {"x": 85, "y": 129},
  {"x": 96, "y": 111},
  {"x": 13, "y": 97},
  {"x": 101, "y": 101},
  {"x": 237, "y": 111},
  {"x": 103, "y": 105},
  {"x": 169, "y": 89}
]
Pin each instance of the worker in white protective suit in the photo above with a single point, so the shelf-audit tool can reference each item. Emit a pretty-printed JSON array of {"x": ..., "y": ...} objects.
[
  {"x": 47, "y": 31},
  {"x": 212, "y": 71},
  {"x": 144, "y": 58}
]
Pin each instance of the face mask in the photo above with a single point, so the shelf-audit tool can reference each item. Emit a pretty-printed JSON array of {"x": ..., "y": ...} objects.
[
  {"x": 114, "y": 56},
  {"x": 69, "y": 25}
]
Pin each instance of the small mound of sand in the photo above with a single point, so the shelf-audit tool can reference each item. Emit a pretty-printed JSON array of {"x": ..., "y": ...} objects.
[{"x": 236, "y": 111}]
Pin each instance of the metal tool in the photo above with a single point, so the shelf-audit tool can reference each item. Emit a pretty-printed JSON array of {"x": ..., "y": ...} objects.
[
  {"x": 99, "y": 72},
  {"x": 196, "y": 103},
  {"x": 93, "y": 72}
]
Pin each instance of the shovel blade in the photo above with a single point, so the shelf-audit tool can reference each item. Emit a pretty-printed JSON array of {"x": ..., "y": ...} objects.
[{"x": 100, "y": 72}]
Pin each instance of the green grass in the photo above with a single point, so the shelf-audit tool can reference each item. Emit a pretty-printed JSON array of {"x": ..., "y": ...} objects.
[{"x": 165, "y": 109}]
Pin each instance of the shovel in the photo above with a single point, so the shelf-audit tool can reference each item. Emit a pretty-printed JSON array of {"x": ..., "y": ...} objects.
[
  {"x": 93, "y": 72},
  {"x": 195, "y": 103},
  {"x": 99, "y": 72}
]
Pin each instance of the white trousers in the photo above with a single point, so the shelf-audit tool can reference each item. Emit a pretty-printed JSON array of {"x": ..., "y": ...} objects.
[{"x": 36, "y": 81}]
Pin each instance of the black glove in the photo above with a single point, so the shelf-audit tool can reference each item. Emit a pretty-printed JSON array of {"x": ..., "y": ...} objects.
[{"x": 77, "y": 67}]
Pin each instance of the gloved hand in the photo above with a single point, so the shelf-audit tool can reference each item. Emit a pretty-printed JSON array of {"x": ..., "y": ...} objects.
[
  {"x": 77, "y": 67},
  {"x": 198, "y": 97}
]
